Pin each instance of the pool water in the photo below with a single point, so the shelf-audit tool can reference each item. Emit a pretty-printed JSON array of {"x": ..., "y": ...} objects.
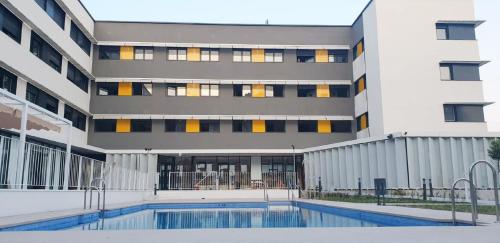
[{"x": 224, "y": 216}]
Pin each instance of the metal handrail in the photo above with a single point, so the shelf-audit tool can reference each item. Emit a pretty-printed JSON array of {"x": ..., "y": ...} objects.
[
  {"x": 210, "y": 173},
  {"x": 474, "y": 192},
  {"x": 453, "y": 210},
  {"x": 101, "y": 187}
]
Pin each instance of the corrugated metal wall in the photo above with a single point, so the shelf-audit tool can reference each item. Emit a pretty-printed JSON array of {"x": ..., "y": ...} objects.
[{"x": 404, "y": 161}]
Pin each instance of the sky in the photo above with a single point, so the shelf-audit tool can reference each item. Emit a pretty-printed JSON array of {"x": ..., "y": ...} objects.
[{"x": 323, "y": 12}]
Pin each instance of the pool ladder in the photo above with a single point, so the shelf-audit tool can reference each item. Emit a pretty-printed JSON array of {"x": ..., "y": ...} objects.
[
  {"x": 101, "y": 187},
  {"x": 473, "y": 193}
]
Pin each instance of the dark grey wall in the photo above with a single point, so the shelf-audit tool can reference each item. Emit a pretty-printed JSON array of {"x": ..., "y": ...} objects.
[
  {"x": 461, "y": 32},
  {"x": 470, "y": 113},
  {"x": 224, "y": 104},
  {"x": 357, "y": 31},
  {"x": 226, "y": 139},
  {"x": 224, "y": 69},
  {"x": 466, "y": 72},
  {"x": 222, "y": 34}
]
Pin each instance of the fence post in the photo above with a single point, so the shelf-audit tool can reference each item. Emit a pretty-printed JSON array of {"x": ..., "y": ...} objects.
[
  {"x": 79, "y": 182},
  {"x": 49, "y": 168},
  {"x": 27, "y": 163},
  {"x": 67, "y": 160},
  {"x": 91, "y": 178}
]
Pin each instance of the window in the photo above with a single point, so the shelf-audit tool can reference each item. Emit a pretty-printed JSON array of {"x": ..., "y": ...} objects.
[
  {"x": 141, "y": 125},
  {"x": 10, "y": 24},
  {"x": 242, "y": 55},
  {"x": 8, "y": 81},
  {"x": 306, "y": 56},
  {"x": 177, "y": 54},
  {"x": 456, "y": 31},
  {"x": 210, "y": 126},
  {"x": 79, "y": 119},
  {"x": 80, "y": 39},
  {"x": 341, "y": 127},
  {"x": 306, "y": 90},
  {"x": 42, "y": 99},
  {"x": 142, "y": 89},
  {"x": 273, "y": 55},
  {"x": 53, "y": 10},
  {"x": 275, "y": 126},
  {"x": 274, "y": 90},
  {"x": 209, "y": 55},
  {"x": 460, "y": 72},
  {"x": 109, "y": 52},
  {"x": 175, "y": 125},
  {"x": 359, "y": 49},
  {"x": 463, "y": 113},
  {"x": 245, "y": 90},
  {"x": 106, "y": 125},
  {"x": 105, "y": 89},
  {"x": 360, "y": 85},
  {"x": 176, "y": 90},
  {"x": 77, "y": 77},
  {"x": 308, "y": 126},
  {"x": 143, "y": 53},
  {"x": 45, "y": 52},
  {"x": 340, "y": 91},
  {"x": 242, "y": 126},
  {"x": 209, "y": 90},
  {"x": 337, "y": 56},
  {"x": 362, "y": 122},
  {"x": 242, "y": 90}
]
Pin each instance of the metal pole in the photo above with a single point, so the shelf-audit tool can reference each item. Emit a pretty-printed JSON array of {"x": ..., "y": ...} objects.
[
  {"x": 294, "y": 165},
  {"x": 424, "y": 190},
  {"x": 68, "y": 158},
  {"x": 359, "y": 186},
  {"x": 431, "y": 192},
  {"x": 22, "y": 138}
]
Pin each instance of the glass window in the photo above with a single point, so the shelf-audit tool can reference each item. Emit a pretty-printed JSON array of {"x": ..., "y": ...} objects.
[
  {"x": 273, "y": 55},
  {"x": 341, "y": 126},
  {"x": 306, "y": 56},
  {"x": 143, "y": 53},
  {"x": 340, "y": 91},
  {"x": 176, "y": 89},
  {"x": 10, "y": 24},
  {"x": 109, "y": 52},
  {"x": 306, "y": 90},
  {"x": 446, "y": 73},
  {"x": 80, "y": 39},
  {"x": 205, "y": 90},
  {"x": 41, "y": 98},
  {"x": 308, "y": 126},
  {"x": 77, "y": 77},
  {"x": 142, "y": 89},
  {"x": 79, "y": 119},
  {"x": 177, "y": 54},
  {"x": 205, "y": 55},
  {"x": 8, "y": 81},
  {"x": 450, "y": 113},
  {"x": 53, "y": 10},
  {"x": 104, "y": 89},
  {"x": 105, "y": 125},
  {"x": 210, "y": 126},
  {"x": 246, "y": 90},
  {"x": 275, "y": 126},
  {"x": 269, "y": 91},
  {"x": 141, "y": 125},
  {"x": 362, "y": 122},
  {"x": 45, "y": 52},
  {"x": 242, "y": 55},
  {"x": 442, "y": 32},
  {"x": 214, "y": 90},
  {"x": 175, "y": 125},
  {"x": 242, "y": 126},
  {"x": 337, "y": 56},
  {"x": 208, "y": 55}
]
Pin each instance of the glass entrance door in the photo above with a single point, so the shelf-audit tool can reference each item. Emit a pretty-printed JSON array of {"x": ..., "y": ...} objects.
[{"x": 165, "y": 166}]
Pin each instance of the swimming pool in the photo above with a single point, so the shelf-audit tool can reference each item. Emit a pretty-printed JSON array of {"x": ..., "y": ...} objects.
[{"x": 223, "y": 216}]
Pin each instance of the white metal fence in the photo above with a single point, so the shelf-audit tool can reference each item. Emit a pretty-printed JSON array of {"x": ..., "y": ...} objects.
[
  {"x": 45, "y": 168},
  {"x": 228, "y": 180}
]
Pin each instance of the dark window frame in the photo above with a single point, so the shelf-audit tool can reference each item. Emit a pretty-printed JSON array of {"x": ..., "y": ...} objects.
[
  {"x": 78, "y": 119},
  {"x": 111, "y": 87},
  {"x": 141, "y": 125},
  {"x": 77, "y": 77},
  {"x": 274, "y": 126},
  {"x": 341, "y": 127},
  {"x": 307, "y": 126},
  {"x": 80, "y": 38},
  {"x": 45, "y": 52},
  {"x": 105, "y": 125},
  {"x": 52, "y": 8},
  {"x": 11, "y": 26},
  {"x": 8, "y": 81},
  {"x": 339, "y": 56},
  {"x": 209, "y": 126},
  {"x": 109, "y": 52},
  {"x": 175, "y": 126},
  {"x": 242, "y": 126},
  {"x": 310, "y": 89},
  {"x": 340, "y": 91},
  {"x": 42, "y": 98},
  {"x": 140, "y": 89},
  {"x": 306, "y": 56}
]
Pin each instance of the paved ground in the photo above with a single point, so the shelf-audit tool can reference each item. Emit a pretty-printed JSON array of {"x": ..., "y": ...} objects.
[{"x": 482, "y": 234}]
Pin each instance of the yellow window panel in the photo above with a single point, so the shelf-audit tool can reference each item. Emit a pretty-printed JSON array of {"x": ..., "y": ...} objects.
[
  {"x": 258, "y": 126},
  {"x": 321, "y": 55},
  {"x": 193, "y": 90},
  {"x": 359, "y": 48},
  {"x": 193, "y": 54},
  {"x": 126, "y": 53},
  {"x": 257, "y": 55},
  {"x": 123, "y": 125},
  {"x": 323, "y": 90},
  {"x": 258, "y": 90},
  {"x": 324, "y": 127},
  {"x": 361, "y": 85},
  {"x": 364, "y": 121},
  {"x": 125, "y": 89},
  {"x": 193, "y": 126}
]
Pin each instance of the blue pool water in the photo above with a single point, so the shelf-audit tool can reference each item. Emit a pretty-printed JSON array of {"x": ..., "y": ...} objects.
[{"x": 225, "y": 215}]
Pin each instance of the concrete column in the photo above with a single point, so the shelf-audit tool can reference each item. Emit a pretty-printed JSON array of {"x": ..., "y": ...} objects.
[
  {"x": 255, "y": 168},
  {"x": 21, "y": 87},
  {"x": 67, "y": 25},
  {"x": 26, "y": 36},
  {"x": 64, "y": 67}
]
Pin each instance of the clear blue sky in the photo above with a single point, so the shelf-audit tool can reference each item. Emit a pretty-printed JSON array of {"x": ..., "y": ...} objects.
[{"x": 328, "y": 12}]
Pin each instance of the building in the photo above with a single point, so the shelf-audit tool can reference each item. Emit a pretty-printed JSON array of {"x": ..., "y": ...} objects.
[{"x": 238, "y": 98}]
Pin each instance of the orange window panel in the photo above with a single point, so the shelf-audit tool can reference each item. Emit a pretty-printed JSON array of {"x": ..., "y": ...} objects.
[
  {"x": 322, "y": 55},
  {"x": 324, "y": 127},
  {"x": 258, "y": 126},
  {"x": 126, "y": 53},
  {"x": 258, "y": 55},
  {"x": 364, "y": 121},
  {"x": 123, "y": 125},
  {"x": 193, "y": 54},
  {"x": 323, "y": 91},
  {"x": 125, "y": 89},
  {"x": 258, "y": 90},
  {"x": 361, "y": 85},
  {"x": 193, "y": 90},
  {"x": 193, "y": 126}
]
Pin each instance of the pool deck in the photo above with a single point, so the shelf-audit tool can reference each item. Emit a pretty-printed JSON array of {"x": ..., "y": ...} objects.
[{"x": 488, "y": 232}]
